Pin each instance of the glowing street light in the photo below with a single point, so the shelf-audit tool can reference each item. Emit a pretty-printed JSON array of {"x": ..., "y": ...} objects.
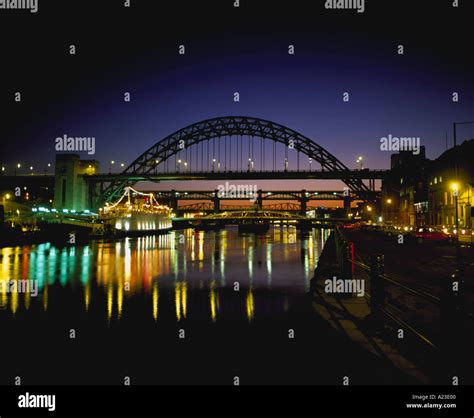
[
  {"x": 360, "y": 162},
  {"x": 455, "y": 189},
  {"x": 389, "y": 201}
]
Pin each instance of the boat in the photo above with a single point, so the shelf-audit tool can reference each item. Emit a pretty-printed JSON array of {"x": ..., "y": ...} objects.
[{"x": 139, "y": 214}]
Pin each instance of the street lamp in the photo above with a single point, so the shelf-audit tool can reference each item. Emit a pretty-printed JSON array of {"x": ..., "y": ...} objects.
[
  {"x": 31, "y": 169},
  {"x": 250, "y": 165},
  {"x": 455, "y": 189},
  {"x": 310, "y": 162},
  {"x": 110, "y": 166},
  {"x": 454, "y": 129},
  {"x": 389, "y": 201},
  {"x": 17, "y": 167},
  {"x": 359, "y": 161}
]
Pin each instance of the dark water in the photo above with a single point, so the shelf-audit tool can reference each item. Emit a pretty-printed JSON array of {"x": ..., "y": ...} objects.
[
  {"x": 178, "y": 263},
  {"x": 183, "y": 308}
]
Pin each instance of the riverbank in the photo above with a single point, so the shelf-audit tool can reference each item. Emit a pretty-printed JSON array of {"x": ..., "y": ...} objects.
[
  {"x": 417, "y": 320},
  {"x": 65, "y": 234},
  {"x": 351, "y": 316}
]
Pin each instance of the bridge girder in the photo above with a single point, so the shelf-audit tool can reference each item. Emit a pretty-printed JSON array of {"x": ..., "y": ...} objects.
[
  {"x": 232, "y": 126},
  {"x": 252, "y": 214}
]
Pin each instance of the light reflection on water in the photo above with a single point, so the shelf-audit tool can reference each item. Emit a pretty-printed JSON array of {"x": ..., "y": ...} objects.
[{"x": 179, "y": 262}]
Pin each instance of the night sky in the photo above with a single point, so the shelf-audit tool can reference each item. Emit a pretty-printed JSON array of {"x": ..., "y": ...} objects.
[{"x": 231, "y": 50}]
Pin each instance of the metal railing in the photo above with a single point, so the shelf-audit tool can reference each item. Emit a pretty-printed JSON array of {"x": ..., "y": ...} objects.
[{"x": 449, "y": 304}]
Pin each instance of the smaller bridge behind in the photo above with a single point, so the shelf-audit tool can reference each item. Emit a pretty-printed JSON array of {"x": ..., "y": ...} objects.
[{"x": 259, "y": 199}]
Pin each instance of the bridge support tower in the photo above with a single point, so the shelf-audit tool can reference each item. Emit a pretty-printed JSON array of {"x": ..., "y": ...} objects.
[{"x": 216, "y": 201}]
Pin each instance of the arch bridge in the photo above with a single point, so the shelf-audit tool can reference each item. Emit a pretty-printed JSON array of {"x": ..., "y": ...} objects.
[{"x": 235, "y": 147}]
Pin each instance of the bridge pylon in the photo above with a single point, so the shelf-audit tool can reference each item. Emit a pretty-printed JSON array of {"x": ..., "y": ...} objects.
[
  {"x": 259, "y": 201},
  {"x": 217, "y": 202},
  {"x": 303, "y": 202}
]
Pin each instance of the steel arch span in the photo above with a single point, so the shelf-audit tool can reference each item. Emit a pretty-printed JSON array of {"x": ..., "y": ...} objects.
[{"x": 222, "y": 127}]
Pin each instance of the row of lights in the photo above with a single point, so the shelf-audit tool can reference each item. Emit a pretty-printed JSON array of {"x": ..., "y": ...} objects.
[
  {"x": 251, "y": 163},
  {"x": 18, "y": 167},
  {"x": 454, "y": 188}
]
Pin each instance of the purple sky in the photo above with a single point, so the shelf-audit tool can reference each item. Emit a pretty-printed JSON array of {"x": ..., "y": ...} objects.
[{"x": 236, "y": 50}]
